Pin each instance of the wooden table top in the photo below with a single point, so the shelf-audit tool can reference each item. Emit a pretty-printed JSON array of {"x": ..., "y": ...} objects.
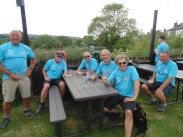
[
  {"x": 93, "y": 90},
  {"x": 151, "y": 68}
]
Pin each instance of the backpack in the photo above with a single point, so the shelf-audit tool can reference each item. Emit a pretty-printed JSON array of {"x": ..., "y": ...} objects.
[
  {"x": 139, "y": 119},
  {"x": 97, "y": 57}
]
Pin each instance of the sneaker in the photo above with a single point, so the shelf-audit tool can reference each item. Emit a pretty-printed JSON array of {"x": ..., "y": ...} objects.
[
  {"x": 39, "y": 109},
  {"x": 64, "y": 103},
  {"x": 151, "y": 102},
  {"x": 161, "y": 108},
  {"x": 114, "y": 117},
  {"x": 29, "y": 113},
  {"x": 5, "y": 122}
]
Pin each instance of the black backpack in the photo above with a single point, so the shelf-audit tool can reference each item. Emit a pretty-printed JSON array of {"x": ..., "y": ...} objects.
[{"x": 139, "y": 119}]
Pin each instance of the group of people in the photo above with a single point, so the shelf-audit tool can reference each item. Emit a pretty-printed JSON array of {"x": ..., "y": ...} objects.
[{"x": 120, "y": 75}]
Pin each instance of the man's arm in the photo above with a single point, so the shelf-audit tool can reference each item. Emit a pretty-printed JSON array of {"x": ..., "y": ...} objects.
[
  {"x": 45, "y": 75},
  {"x": 5, "y": 71},
  {"x": 32, "y": 64},
  {"x": 65, "y": 74}
]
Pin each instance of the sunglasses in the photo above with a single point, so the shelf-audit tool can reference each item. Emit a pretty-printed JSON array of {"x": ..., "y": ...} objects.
[
  {"x": 122, "y": 63},
  {"x": 86, "y": 56},
  {"x": 59, "y": 56}
]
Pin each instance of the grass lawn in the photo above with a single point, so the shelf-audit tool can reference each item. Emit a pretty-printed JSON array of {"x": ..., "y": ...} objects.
[{"x": 166, "y": 124}]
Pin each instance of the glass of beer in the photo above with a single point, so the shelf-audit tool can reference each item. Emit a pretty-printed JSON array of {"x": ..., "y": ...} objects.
[{"x": 92, "y": 77}]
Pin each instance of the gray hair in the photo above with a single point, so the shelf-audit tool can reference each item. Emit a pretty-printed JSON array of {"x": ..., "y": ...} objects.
[
  {"x": 121, "y": 56},
  {"x": 106, "y": 51},
  {"x": 86, "y": 52},
  {"x": 16, "y": 31}
]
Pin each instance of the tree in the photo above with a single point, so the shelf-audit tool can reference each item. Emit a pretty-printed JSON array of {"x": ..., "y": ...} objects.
[
  {"x": 66, "y": 41},
  {"x": 112, "y": 25},
  {"x": 78, "y": 42},
  {"x": 45, "y": 41}
]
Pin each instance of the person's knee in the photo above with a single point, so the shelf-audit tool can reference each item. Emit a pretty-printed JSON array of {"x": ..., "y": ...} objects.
[
  {"x": 62, "y": 85},
  {"x": 46, "y": 86},
  {"x": 106, "y": 110},
  {"x": 128, "y": 113},
  {"x": 144, "y": 87}
]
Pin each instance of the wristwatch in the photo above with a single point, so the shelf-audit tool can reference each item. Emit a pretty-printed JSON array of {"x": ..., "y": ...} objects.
[
  {"x": 162, "y": 86},
  {"x": 31, "y": 68}
]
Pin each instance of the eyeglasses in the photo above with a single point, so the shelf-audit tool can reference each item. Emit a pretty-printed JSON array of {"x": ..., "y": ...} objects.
[
  {"x": 59, "y": 56},
  {"x": 86, "y": 56},
  {"x": 122, "y": 63}
]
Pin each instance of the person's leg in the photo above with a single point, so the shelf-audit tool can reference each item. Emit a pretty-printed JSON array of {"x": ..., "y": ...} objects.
[
  {"x": 26, "y": 102},
  {"x": 44, "y": 92},
  {"x": 128, "y": 122},
  {"x": 145, "y": 88},
  {"x": 62, "y": 88},
  {"x": 6, "y": 107}
]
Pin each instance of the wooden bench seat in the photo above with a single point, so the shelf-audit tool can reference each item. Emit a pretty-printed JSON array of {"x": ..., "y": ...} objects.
[
  {"x": 143, "y": 81},
  {"x": 57, "y": 112}
]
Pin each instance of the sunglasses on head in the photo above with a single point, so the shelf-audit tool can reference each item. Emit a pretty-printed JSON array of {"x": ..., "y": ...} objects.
[
  {"x": 59, "y": 56},
  {"x": 87, "y": 56},
  {"x": 122, "y": 63}
]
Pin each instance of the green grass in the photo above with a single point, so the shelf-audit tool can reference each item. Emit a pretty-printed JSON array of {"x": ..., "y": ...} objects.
[{"x": 165, "y": 124}]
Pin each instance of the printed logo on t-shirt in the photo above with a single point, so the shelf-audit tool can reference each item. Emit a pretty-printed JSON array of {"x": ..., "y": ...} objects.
[
  {"x": 22, "y": 52},
  {"x": 60, "y": 67},
  {"x": 125, "y": 78},
  {"x": 109, "y": 71},
  {"x": 118, "y": 79},
  {"x": 10, "y": 52},
  {"x": 52, "y": 67},
  {"x": 165, "y": 70}
]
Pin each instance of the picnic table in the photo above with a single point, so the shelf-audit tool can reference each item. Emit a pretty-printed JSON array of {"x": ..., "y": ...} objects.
[
  {"x": 179, "y": 77},
  {"x": 180, "y": 64},
  {"x": 94, "y": 90}
]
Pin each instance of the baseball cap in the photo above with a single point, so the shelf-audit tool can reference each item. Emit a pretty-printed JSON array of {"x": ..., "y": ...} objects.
[
  {"x": 162, "y": 37},
  {"x": 60, "y": 54}
]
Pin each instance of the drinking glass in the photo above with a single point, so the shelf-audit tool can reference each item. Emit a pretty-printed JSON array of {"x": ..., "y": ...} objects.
[
  {"x": 80, "y": 77},
  {"x": 92, "y": 77},
  {"x": 69, "y": 72}
]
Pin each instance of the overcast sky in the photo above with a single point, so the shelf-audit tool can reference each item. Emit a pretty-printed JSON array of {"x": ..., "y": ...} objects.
[{"x": 72, "y": 17}]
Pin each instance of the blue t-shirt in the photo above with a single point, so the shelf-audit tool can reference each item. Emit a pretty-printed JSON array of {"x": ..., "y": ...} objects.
[
  {"x": 124, "y": 81},
  {"x": 163, "y": 71},
  {"x": 107, "y": 68},
  {"x": 89, "y": 65},
  {"x": 14, "y": 58},
  {"x": 161, "y": 47},
  {"x": 54, "y": 70}
]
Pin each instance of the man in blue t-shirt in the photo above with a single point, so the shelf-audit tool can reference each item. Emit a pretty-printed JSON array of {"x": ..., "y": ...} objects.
[
  {"x": 107, "y": 66},
  {"x": 161, "y": 47},
  {"x": 52, "y": 72},
  {"x": 163, "y": 81},
  {"x": 14, "y": 56},
  {"x": 127, "y": 83},
  {"x": 90, "y": 64}
]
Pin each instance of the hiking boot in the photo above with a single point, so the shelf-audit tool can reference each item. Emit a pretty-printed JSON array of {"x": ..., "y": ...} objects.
[
  {"x": 161, "y": 108},
  {"x": 5, "y": 122},
  {"x": 39, "y": 109},
  {"x": 64, "y": 103},
  {"x": 151, "y": 102},
  {"x": 29, "y": 113},
  {"x": 114, "y": 117}
]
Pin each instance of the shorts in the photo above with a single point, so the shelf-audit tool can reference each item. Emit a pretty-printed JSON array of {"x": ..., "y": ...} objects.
[
  {"x": 156, "y": 85},
  {"x": 9, "y": 87},
  {"x": 111, "y": 102},
  {"x": 53, "y": 81}
]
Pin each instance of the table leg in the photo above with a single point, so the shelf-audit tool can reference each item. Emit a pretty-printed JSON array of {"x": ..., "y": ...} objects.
[
  {"x": 178, "y": 90},
  {"x": 89, "y": 113},
  {"x": 101, "y": 114},
  {"x": 58, "y": 130}
]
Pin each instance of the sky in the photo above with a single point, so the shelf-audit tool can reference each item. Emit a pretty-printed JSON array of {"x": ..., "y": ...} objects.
[{"x": 72, "y": 17}]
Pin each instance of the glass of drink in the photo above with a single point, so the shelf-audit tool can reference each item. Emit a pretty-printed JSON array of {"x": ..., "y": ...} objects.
[
  {"x": 85, "y": 82},
  {"x": 19, "y": 74},
  {"x": 92, "y": 77},
  {"x": 88, "y": 75},
  {"x": 150, "y": 81},
  {"x": 69, "y": 72},
  {"x": 80, "y": 77}
]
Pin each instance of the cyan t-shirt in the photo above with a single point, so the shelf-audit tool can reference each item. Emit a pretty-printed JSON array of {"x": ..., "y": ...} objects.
[
  {"x": 89, "y": 65},
  {"x": 107, "y": 68},
  {"x": 161, "y": 47},
  {"x": 54, "y": 70},
  {"x": 14, "y": 58},
  {"x": 124, "y": 81},
  {"x": 163, "y": 71}
]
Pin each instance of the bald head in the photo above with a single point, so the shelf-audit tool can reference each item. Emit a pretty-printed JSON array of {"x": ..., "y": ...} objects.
[{"x": 15, "y": 37}]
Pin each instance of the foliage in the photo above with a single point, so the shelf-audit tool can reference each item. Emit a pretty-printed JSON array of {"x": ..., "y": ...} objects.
[
  {"x": 4, "y": 40},
  {"x": 112, "y": 25},
  {"x": 89, "y": 41},
  {"x": 66, "y": 41},
  {"x": 78, "y": 42},
  {"x": 45, "y": 41}
]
